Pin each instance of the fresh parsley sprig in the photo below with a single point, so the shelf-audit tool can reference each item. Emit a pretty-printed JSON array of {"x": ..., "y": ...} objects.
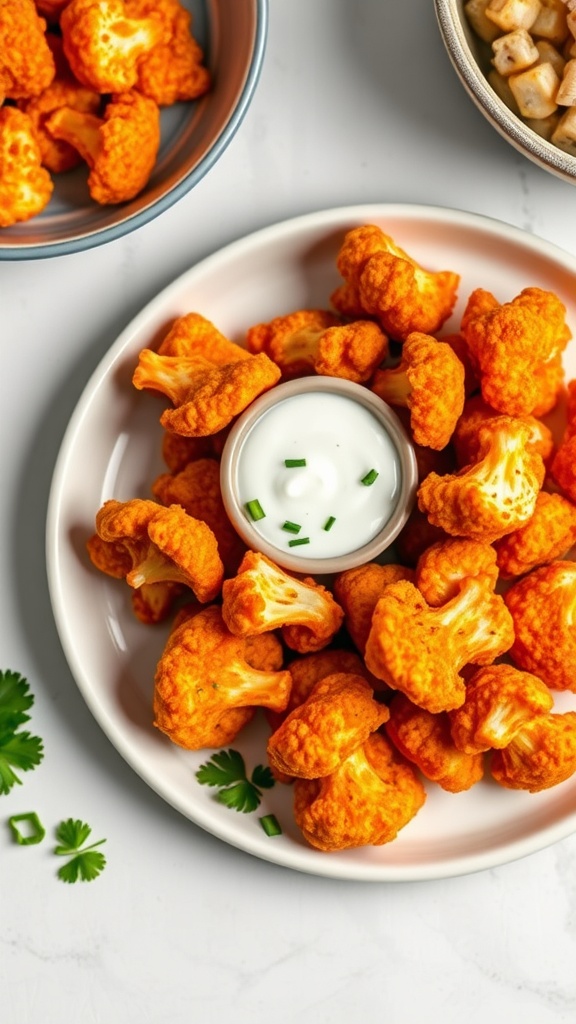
[
  {"x": 86, "y": 861},
  {"x": 227, "y": 770},
  {"x": 19, "y": 750}
]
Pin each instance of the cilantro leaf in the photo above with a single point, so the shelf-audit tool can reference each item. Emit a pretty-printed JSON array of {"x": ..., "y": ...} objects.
[
  {"x": 223, "y": 768},
  {"x": 71, "y": 835},
  {"x": 87, "y": 862},
  {"x": 19, "y": 750},
  {"x": 243, "y": 796},
  {"x": 15, "y": 700},
  {"x": 262, "y": 777},
  {"x": 226, "y": 770},
  {"x": 84, "y": 867}
]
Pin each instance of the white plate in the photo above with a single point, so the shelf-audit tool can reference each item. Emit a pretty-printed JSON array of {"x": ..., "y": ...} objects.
[{"x": 112, "y": 449}]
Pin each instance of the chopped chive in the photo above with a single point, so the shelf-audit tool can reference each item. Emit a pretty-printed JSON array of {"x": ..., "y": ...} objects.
[
  {"x": 292, "y": 463},
  {"x": 30, "y": 838},
  {"x": 271, "y": 825},
  {"x": 369, "y": 478},
  {"x": 329, "y": 523},
  {"x": 291, "y": 527},
  {"x": 255, "y": 510},
  {"x": 298, "y": 541}
]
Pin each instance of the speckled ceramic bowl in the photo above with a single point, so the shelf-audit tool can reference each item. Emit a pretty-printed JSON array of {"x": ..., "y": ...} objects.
[
  {"x": 232, "y": 34},
  {"x": 470, "y": 58}
]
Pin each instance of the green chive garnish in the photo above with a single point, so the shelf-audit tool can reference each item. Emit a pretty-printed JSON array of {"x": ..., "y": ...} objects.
[
  {"x": 293, "y": 463},
  {"x": 255, "y": 510},
  {"x": 271, "y": 825},
  {"x": 298, "y": 542},
  {"x": 369, "y": 478},
  {"x": 329, "y": 523},
  {"x": 35, "y": 832},
  {"x": 291, "y": 527}
]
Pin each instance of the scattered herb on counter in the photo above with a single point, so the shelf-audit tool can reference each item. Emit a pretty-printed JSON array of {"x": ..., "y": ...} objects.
[
  {"x": 34, "y": 831},
  {"x": 19, "y": 750},
  {"x": 227, "y": 771},
  {"x": 86, "y": 862}
]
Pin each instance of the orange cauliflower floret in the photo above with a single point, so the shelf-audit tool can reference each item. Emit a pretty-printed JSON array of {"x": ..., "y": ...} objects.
[
  {"x": 58, "y": 155},
  {"x": 420, "y": 650},
  {"x": 193, "y": 335},
  {"x": 205, "y": 689},
  {"x": 120, "y": 148},
  {"x": 477, "y": 413},
  {"x": 26, "y": 61},
  {"x": 385, "y": 282},
  {"x": 172, "y": 70},
  {"x": 543, "y": 609},
  {"x": 310, "y": 669},
  {"x": 262, "y": 597},
  {"x": 153, "y": 602},
  {"x": 444, "y": 565},
  {"x": 358, "y": 592},
  {"x": 548, "y": 535},
  {"x": 563, "y": 466},
  {"x": 164, "y": 545},
  {"x": 511, "y": 344},
  {"x": 429, "y": 381},
  {"x": 425, "y": 740},
  {"x": 178, "y": 451},
  {"x": 500, "y": 700},
  {"x": 25, "y": 186},
  {"x": 541, "y": 755},
  {"x": 492, "y": 497},
  {"x": 103, "y": 44},
  {"x": 416, "y": 536},
  {"x": 365, "y": 802},
  {"x": 206, "y": 397},
  {"x": 336, "y": 718},
  {"x": 316, "y": 340}
]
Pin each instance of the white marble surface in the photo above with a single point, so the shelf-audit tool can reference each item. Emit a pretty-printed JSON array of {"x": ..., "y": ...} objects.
[{"x": 356, "y": 103}]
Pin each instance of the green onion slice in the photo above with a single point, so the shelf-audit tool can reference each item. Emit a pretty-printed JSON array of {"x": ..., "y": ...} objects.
[
  {"x": 34, "y": 833},
  {"x": 298, "y": 541},
  {"x": 329, "y": 523},
  {"x": 291, "y": 527},
  {"x": 293, "y": 463},
  {"x": 369, "y": 478},
  {"x": 271, "y": 825},
  {"x": 255, "y": 510}
]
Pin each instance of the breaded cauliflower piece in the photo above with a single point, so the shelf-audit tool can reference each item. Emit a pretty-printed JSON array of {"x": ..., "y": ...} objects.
[
  {"x": 500, "y": 700},
  {"x": 511, "y": 344},
  {"x": 420, "y": 650},
  {"x": 206, "y": 397},
  {"x": 415, "y": 537},
  {"x": 443, "y": 567},
  {"x": 547, "y": 536},
  {"x": 429, "y": 381},
  {"x": 383, "y": 281},
  {"x": 541, "y": 755},
  {"x": 492, "y": 497},
  {"x": 335, "y": 719},
  {"x": 178, "y": 451},
  {"x": 358, "y": 591},
  {"x": 563, "y": 467},
  {"x": 25, "y": 186},
  {"x": 153, "y": 602},
  {"x": 457, "y": 343},
  {"x": 164, "y": 545},
  {"x": 425, "y": 740},
  {"x": 103, "y": 44},
  {"x": 205, "y": 690},
  {"x": 26, "y": 60},
  {"x": 310, "y": 669},
  {"x": 197, "y": 489},
  {"x": 120, "y": 148},
  {"x": 262, "y": 597},
  {"x": 57, "y": 155},
  {"x": 477, "y": 413},
  {"x": 365, "y": 802},
  {"x": 193, "y": 335},
  {"x": 543, "y": 609},
  {"x": 172, "y": 70},
  {"x": 316, "y": 340}
]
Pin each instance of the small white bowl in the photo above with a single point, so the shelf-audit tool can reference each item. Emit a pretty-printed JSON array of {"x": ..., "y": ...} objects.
[{"x": 468, "y": 56}]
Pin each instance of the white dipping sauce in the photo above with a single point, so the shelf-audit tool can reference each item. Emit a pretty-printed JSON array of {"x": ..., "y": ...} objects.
[{"x": 342, "y": 441}]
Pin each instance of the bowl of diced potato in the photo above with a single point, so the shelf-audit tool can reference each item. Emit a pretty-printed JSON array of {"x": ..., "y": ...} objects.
[
  {"x": 113, "y": 110},
  {"x": 517, "y": 61}
]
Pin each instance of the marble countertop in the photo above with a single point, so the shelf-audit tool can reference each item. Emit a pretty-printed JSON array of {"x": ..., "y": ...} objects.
[{"x": 357, "y": 103}]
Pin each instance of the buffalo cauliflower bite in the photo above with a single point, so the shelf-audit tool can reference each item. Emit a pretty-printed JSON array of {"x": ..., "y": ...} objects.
[
  {"x": 164, "y": 545},
  {"x": 103, "y": 44},
  {"x": 26, "y": 59},
  {"x": 478, "y": 413},
  {"x": 543, "y": 609},
  {"x": 120, "y": 147},
  {"x": 425, "y": 740},
  {"x": 178, "y": 451},
  {"x": 541, "y": 755},
  {"x": 511, "y": 345},
  {"x": 25, "y": 186},
  {"x": 335, "y": 719},
  {"x": 206, "y": 398},
  {"x": 420, "y": 650},
  {"x": 358, "y": 591},
  {"x": 500, "y": 700},
  {"x": 547, "y": 536},
  {"x": 193, "y": 335},
  {"x": 429, "y": 381},
  {"x": 262, "y": 597},
  {"x": 446, "y": 564},
  {"x": 365, "y": 802},
  {"x": 205, "y": 690},
  {"x": 415, "y": 537},
  {"x": 492, "y": 497},
  {"x": 563, "y": 467},
  {"x": 153, "y": 602},
  {"x": 383, "y": 281},
  {"x": 57, "y": 155},
  {"x": 172, "y": 70},
  {"x": 310, "y": 669},
  {"x": 317, "y": 340}
]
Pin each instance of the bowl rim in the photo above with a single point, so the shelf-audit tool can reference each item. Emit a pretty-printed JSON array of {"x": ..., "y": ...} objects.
[
  {"x": 91, "y": 239},
  {"x": 524, "y": 139}
]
